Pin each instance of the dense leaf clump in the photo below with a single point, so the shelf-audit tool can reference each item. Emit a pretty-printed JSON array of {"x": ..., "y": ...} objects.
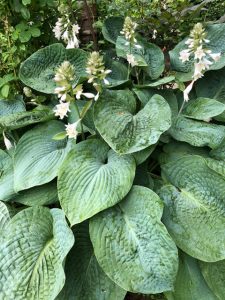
[{"x": 133, "y": 198}]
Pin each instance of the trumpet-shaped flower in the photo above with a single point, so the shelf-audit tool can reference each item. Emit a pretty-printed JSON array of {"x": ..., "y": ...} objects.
[
  {"x": 62, "y": 109},
  {"x": 71, "y": 130}
]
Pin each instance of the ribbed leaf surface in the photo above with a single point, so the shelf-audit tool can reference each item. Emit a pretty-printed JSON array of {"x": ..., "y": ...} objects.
[
  {"x": 38, "y": 156},
  {"x": 125, "y": 131},
  {"x": 132, "y": 246},
  {"x": 32, "y": 252},
  {"x": 93, "y": 178},
  {"x": 195, "y": 207},
  {"x": 85, "y": 280}
]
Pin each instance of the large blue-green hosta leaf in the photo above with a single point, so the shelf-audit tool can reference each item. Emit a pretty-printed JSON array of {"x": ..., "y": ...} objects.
[
  {"x": 21, "y": 119},
  {"x": 125, "y": 131},
  {"x": 39, "y": 69},
  {"x": 190, "y": 284},
  {"x": 6, "y": 176},
  {"x": 32, "y": 251},
  {"x": 216, "y": 35},
  {"x": 197, "y": 133},
  {"x": 38, "y": 156},
  {"x": 8, "y": 107},
  {"x": 93, "y": 178},
  {"x": 203, "y": 109},
  {"x": 195, "y": 207},
  {"x": 111, "y": 28},
  {"x": 150, "y": 57},
  {"x": 214, "y": 274},
  {"x": 85, "y": 280},
  {"x": 132, "y": 246}
]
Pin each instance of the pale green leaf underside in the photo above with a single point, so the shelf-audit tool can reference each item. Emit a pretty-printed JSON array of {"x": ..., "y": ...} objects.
[
  {"x": 38, "y": 156},
  {"x": 190, "y": 284},
  {"x": 132, "y": 246},
  {"x": 125, "y": 131},
  {"x": 85, "y": 280},
  {"x": 195, "y": 207},
  {"x": 197, "y": 133},
  {"x": 39, "y": 69},
  {"x": 41, "y": 195},
  {"x": 93, "y": 178},
  {"x": 214, "y": 274},
  {"x": 6, "y": 176},
  {"x": 32, "y": 252},
  {"x": 4, "y": 217},
  {"x": 216, "y": 35}
]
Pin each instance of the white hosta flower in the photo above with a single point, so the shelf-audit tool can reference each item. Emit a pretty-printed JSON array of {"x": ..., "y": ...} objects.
[
  {"x": 62, "y": 92},
  {"x": 207, "y": 63},
  {"x": 215, "y": 56},
  {"x": 154, "y": 35},
  {"x": 58, "y": 28},
  {"x": 72, "y": 42},
  {"x": 78, "y": 91},
  {"x": 7, "y": 142},
  {"x": 199, "y": 53},
  {"x": 71, "y": 130},
  {"x": 62, "y": 109},
  {"x": 190, "y": 43},
  {"x": 75, "y": 28},
  {"x": 96, "y": 69},
  {"x": 131, "y": 60},
  {"x": 184, "y": 55},
  {"x": 27, "y": 92},
  {"x": 187, "y": 91},
  {"x": 96, "y": 96}
]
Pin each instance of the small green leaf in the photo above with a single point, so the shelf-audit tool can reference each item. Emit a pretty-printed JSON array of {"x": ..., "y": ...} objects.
[
  {"x": 5, "y": 90},
  {"x": 59, "y": 136}
]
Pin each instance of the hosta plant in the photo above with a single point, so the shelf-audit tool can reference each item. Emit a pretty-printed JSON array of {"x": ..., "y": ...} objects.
[{"x": 115, "y": 182}]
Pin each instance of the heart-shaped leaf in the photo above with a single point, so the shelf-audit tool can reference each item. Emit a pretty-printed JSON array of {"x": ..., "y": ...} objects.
[
  {"x": 93, "y": 178},
  {"x": 129, "y": 238},
  {"x": 125, "y": 131},
  {"x": 195, "y": 207},
  {"x": 38, "y": 70},
  {"x": 32, "y": 251},
  {"x": 111, "y": 28},
  {"x": 150, "y": 57},
  {"x": 38, "y": 156},
  {"x": 85, "y": 280}
]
